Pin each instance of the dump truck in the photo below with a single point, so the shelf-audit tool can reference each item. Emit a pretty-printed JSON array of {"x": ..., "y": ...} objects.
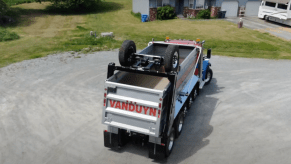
[{"x": 147, "y": 97}]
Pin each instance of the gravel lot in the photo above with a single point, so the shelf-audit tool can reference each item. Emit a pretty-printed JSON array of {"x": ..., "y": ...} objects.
[{"x": 50, "y": 113}]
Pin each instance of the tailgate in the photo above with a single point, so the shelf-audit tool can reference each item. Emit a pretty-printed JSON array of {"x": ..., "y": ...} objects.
[{"x": 132, "y": 108}]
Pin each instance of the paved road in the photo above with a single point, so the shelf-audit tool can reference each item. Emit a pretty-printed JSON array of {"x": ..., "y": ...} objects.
[
  {"x": 50, "y": 113},
  {"x": 255, "y": 23}
]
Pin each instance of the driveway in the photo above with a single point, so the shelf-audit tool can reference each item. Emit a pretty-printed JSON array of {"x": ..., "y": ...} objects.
[
  {"x": 255, "y": 23},
  {"x": 50, "y": 113}
]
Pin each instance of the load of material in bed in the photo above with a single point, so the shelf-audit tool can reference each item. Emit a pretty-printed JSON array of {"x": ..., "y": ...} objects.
[{"x": 141, "y": 80}]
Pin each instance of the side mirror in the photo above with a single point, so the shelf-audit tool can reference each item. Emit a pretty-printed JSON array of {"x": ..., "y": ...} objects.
[{"x": 209, "y": 53}]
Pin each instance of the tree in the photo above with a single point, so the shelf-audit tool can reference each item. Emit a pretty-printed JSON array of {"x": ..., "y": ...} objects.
[
  {"x": 3, "y": 10},
  {"x": 73, "y": 4}
]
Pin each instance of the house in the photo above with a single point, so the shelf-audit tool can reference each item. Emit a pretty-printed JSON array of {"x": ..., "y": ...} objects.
[{"x": 233, "y": 8}]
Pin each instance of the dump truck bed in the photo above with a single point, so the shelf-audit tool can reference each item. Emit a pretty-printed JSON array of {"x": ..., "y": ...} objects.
[{"x": 138, "y": 101}]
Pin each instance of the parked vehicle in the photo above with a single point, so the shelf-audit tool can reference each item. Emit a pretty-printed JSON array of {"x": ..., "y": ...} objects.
[
  {"x": 276, "y": 11},
  {"x": 147, "y": 99}
]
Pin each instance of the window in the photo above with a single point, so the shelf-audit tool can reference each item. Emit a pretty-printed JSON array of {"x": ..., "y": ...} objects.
[
  {"x": 199, "y": 4},
  {"x": 191, "y": 4},
  {"x": 159, "y": 3},
  {"x": 270, "y": 4},
  {"x": 282, "y": 6},
  {"x": 166, "y": 2}
]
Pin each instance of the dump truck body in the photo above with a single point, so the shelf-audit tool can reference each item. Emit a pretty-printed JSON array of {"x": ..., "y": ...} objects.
[{"x": 144, "y": 99}]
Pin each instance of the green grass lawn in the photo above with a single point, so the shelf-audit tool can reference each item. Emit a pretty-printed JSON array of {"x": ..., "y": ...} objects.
[{"x": 42, "y": 33}]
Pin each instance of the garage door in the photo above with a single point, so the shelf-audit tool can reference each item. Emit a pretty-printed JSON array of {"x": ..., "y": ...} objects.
[
  {"x": 252, "y": 8},
  {"x": 230, "y": 7}
]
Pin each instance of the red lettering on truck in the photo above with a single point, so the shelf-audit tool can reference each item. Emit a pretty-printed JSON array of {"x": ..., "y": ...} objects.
[
  {"x": 140, "y": 109},
  {"x": 133, "y": 107},
  {"x": 118, "y": 105},
  {"x": 124, "y": 105},
  {"x": 145, "y": 109},
  {"x": 112, "y": 103},
  {"x": 153, "y": 111}
]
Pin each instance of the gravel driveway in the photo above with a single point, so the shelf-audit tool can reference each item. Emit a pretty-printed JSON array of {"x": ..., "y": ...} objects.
[{"x": 50, "y": 113}]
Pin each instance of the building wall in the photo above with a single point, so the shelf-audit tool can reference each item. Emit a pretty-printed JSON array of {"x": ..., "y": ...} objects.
[
  {"x": 240, "y": 2},
  {"x": 153, "y": 3},
  {"x": 141, "y": 6}
]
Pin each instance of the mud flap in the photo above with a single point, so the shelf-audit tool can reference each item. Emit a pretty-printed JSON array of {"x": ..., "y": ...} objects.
[
  {"x": 156, "y": 151},
  {"x": 110, "y": 140}
]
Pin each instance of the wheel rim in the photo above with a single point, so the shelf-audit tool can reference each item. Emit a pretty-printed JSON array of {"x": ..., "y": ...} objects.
[
  {"x": 208, "y": 76},
  {"x": 181, "y": 124},
  {"x": 195, "y": 93},
  {"x": 171, "y": 143},
  {"x": 190, "y": 101},
  {"x": 185, "y": 110},
  {"x": 130, "y": 52},
  {"x": 175, "y": 60}
]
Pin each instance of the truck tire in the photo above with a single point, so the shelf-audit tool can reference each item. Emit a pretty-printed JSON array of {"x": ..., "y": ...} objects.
[
  {"x": 190, "y": 99},
  {"x": 208, "y": 75},
  {"x": 171, "y": 60},
  {"x": 170, "y": 140},
  {"x": 195, "y": 92},
  {"x": 125, "y": 53},
  {"x": 179, "y": 124}
]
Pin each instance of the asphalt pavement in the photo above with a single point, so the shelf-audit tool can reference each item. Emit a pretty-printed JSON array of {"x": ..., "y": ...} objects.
[
  {"x": 50, "y": 113},
  {"x": 255, "y": 23}
]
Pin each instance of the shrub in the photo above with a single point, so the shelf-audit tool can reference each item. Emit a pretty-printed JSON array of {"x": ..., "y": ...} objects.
[
  {"x": 166, "y": 12},
  {"x": 137, "y": 15},
  {"x": 203, "y": 14},
  {"x": 6, "y": 35},
  {"x": 72, "y": 5}
]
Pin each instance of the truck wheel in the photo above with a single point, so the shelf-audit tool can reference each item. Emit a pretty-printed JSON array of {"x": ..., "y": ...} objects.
[
  {"x": 171, "y": 59},
  {"x": 179, "y": 124},
  {"x": 195, "y": 92},
  {"x": 170, "y": 143},
  {"x": 208, "y": 76},
  {"x": 190, "y": 99},
  {"x": 125, "y": 53}
]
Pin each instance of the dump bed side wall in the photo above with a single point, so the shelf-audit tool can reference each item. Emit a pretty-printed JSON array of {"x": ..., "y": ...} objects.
[{"x": 185, "y": 76}]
